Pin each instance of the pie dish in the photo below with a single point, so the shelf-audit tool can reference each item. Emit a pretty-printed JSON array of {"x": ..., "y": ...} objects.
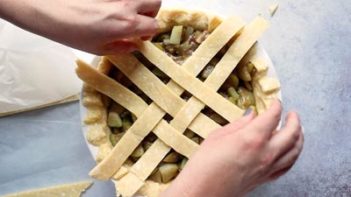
[{"x": 147, "y": 112}]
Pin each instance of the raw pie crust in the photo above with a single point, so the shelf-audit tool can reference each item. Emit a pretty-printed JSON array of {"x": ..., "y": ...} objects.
[{"x": 132, "y": 178}]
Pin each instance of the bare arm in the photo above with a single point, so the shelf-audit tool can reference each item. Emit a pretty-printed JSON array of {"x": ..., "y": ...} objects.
[{"x": 96, "y": 26}]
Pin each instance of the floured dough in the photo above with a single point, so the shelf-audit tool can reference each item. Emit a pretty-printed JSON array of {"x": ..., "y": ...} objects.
[{"x": 71, "y": 190}]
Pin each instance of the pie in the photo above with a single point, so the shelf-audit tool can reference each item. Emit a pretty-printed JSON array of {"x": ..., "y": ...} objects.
[{"x": 148, "y": 111}]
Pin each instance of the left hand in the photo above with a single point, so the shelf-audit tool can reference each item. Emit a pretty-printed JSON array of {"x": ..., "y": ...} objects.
[{"x": 240, "y": 156}]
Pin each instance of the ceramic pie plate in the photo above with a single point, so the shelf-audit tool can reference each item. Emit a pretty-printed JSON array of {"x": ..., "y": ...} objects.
[{"x": 257, "y": 51}]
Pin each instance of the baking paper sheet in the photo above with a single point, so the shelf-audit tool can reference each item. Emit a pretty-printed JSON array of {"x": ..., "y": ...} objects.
[{"x": 34, "y": 71}]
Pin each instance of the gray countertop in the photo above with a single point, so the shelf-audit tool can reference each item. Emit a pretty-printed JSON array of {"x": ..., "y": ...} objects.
[{"x": 309, "y": 43}]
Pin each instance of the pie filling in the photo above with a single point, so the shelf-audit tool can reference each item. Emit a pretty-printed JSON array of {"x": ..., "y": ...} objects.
[{"x": 179, "y": 43}]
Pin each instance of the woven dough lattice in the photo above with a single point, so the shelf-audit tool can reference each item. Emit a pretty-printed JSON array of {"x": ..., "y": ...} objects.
[{"x": 186, "y": 114}]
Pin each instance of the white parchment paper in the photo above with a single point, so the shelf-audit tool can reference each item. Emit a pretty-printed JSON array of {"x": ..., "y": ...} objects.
[{"x": 34, "y": 71}]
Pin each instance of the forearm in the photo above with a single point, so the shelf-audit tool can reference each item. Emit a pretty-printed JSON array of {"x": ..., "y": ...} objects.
[
  {"x": 31, "y": 15},
  {"x": 18, "y": 12},
  {"x": 41, "y": 17},
  {"x": 6, "y": 8}
]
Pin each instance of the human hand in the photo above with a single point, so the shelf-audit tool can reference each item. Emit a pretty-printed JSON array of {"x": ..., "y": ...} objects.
[
  {"x": 98, "y": 26},
  {"x": 240, "y": 156}
]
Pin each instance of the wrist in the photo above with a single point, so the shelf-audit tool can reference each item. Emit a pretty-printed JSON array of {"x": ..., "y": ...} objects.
[
  {"x": 190, "y": 183},
  {"x": 198, "y": 182}
]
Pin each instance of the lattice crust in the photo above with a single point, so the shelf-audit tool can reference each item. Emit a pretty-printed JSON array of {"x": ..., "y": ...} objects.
[{"x": 132, "y": 178}]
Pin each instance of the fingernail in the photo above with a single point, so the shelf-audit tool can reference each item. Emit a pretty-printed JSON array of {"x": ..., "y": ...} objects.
[{"x": 248, "y": 112}]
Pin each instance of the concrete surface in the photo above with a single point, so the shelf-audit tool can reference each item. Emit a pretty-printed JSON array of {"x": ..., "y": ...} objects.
[
  {"x": 311, "y": 52},
  {"x": 309, "y": 43}
]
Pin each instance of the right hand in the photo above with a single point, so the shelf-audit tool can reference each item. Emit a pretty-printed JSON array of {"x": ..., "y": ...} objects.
[
  {"x": 98, "y": 26},
  {"x": 240, "y": 156}
]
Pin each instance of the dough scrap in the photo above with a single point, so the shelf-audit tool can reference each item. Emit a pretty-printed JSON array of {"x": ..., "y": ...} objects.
[{"x": 71, "y": 190}]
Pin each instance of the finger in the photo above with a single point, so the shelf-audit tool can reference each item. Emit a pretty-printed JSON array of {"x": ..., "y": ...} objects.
[
  {"x": 120, "y": 46},
  {"x": 234, "y": 126},
  {"x": 278, "y": 174},
  {"x": 267, "y": 122},
  {"x": 145, "y": 26},
  {"x": 150, "y": 14},
  {"x": 290, "y": 157},
  {"x": 148, "y": 7},
  {"x": 241, "y": 122},
  {"x": 286, "y": 138},
  {"x": 146, "y": 37}
]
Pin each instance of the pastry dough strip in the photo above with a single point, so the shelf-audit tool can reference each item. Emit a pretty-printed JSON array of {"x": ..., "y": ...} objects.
[
  {"x": 134, "y": 138},
  {"x": 162, "y": 95},
  {"x": 102, "y": 83},
  {"x": 190, "y": 83},
  {"x": 146, "y": 81},
  {"x": 109, "y": 165},
  {"x": 202, "y": 125},
  {"x": 94, "y": 79},
  {"x": 228, "y": 62},
  {"x": 172, "y": 137},
  {"x": 224, "y": 67},
  {"x": 68, "y": 189}
]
